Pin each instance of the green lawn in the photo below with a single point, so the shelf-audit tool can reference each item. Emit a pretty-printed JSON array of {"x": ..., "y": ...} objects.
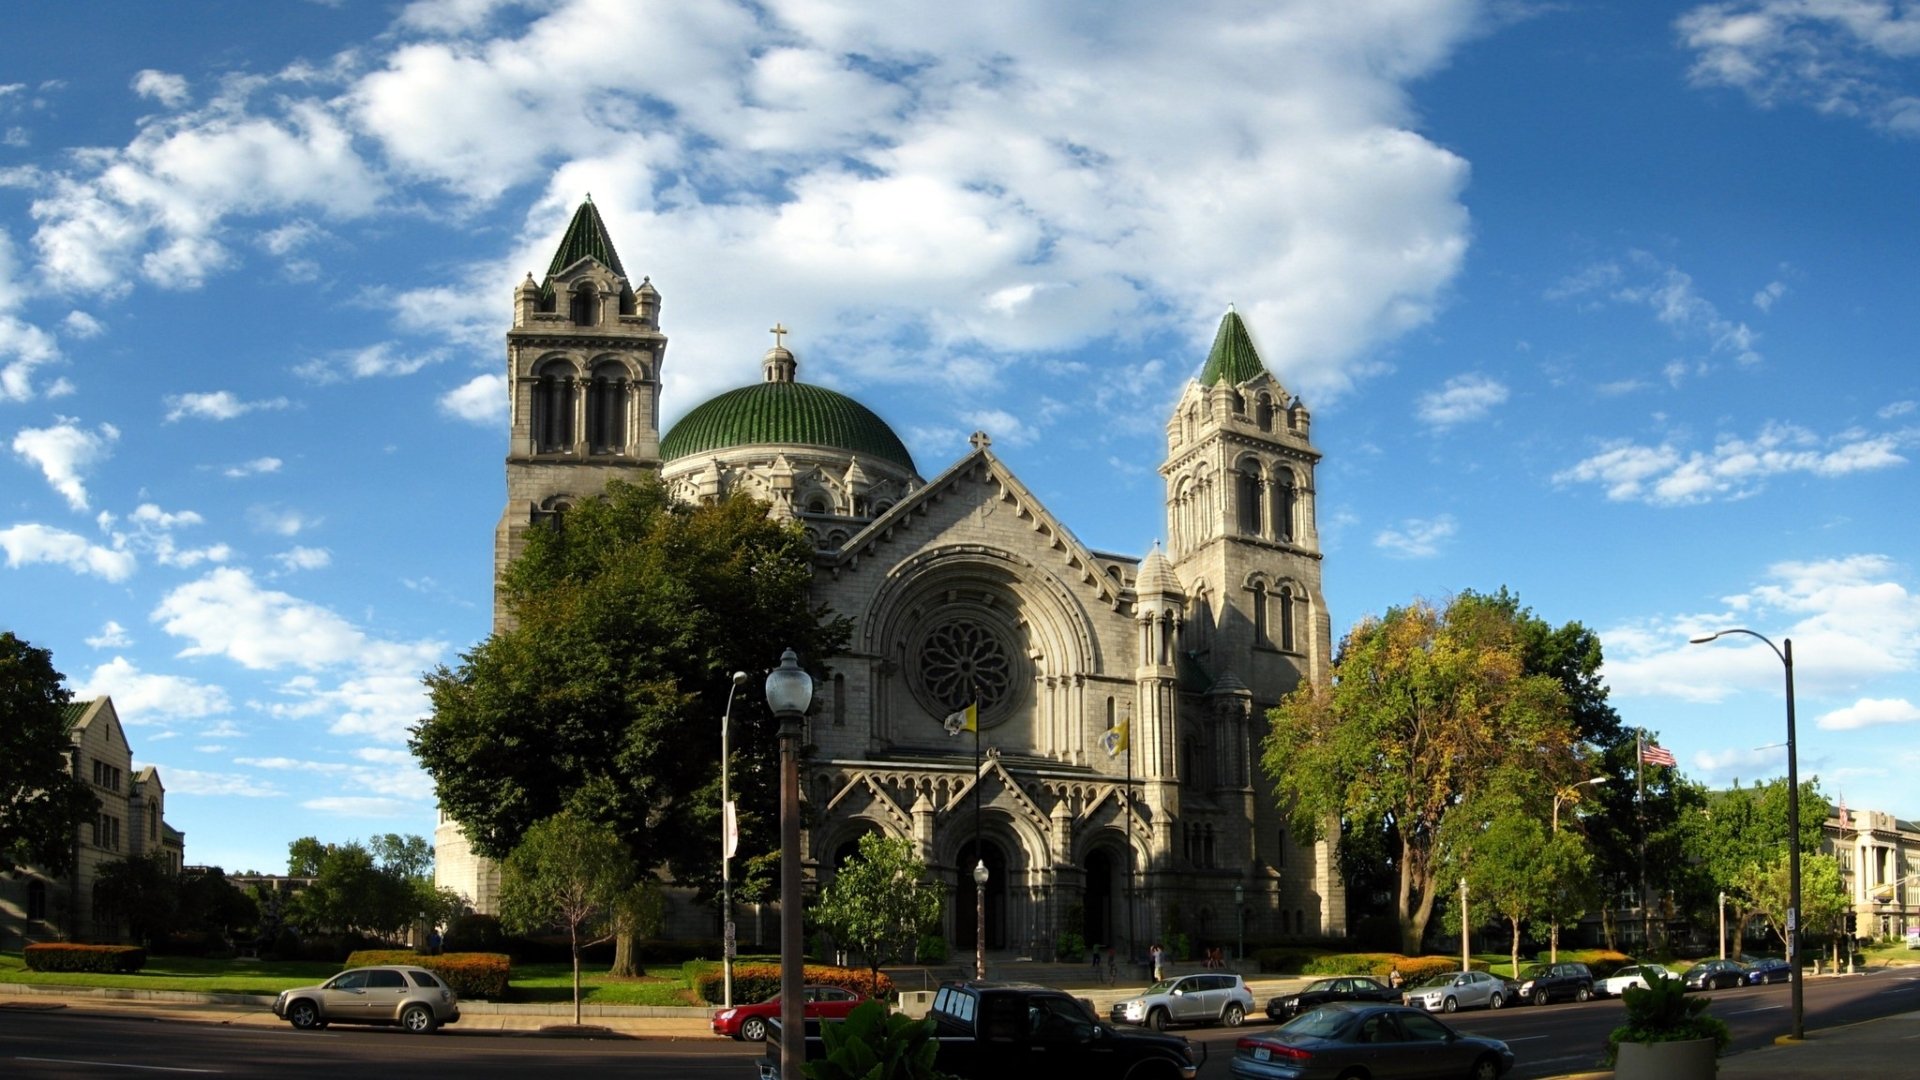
[{"x": 529, "y": 982}]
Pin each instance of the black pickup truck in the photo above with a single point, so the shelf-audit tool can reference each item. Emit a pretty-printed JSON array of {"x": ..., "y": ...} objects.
[{"x": 1001, "y": 1031}]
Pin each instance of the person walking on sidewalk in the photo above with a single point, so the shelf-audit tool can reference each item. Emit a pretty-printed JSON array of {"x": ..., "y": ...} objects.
[
  {"x": 1112, "y": 977},
  {"x": 1155, "y": 954}
]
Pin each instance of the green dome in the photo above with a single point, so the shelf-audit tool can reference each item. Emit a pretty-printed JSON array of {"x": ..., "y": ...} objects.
[{"x": 785, "y": 414}]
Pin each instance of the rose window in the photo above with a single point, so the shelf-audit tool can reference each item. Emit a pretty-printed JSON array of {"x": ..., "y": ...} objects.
[{"x": 961, "y": 659}]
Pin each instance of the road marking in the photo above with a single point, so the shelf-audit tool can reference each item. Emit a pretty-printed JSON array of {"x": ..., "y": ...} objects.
[
  {"x": 1763, "y": 1008},
  {"x": 112, "y": 1065},
  {"x": 1525, "y": 1038}
]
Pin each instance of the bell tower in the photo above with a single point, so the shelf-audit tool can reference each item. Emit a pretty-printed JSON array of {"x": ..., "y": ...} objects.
[{"x": 583, "y": 373}]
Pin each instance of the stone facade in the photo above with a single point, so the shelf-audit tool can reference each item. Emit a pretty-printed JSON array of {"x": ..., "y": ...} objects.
[
  {"x": 1116, "y": 790},
  {"x": 1880, "y": 865}
]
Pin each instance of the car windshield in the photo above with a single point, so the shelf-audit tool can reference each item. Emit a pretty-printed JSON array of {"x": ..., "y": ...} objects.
[
  {"x": 1319, "y": 984},
  {"x": 1164, "y": 986},
  {"x": 1321, "y": 1023},
  {"x": 1434, "y": 981},
  {"x": 1534, "y": 971}
]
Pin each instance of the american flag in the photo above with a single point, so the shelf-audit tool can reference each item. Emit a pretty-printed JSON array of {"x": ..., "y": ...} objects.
[{"x": 1655, "y": 754}]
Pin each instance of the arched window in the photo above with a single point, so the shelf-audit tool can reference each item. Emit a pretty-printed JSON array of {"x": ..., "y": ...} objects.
[
  {"x": 1283, "y": 504},
  {"x": 1199, "y": 622},
  {"x": 553, "y": 410},
  {"x": 1280, "y": 849},
  {"x": 1207, "y": 849},
  {"x": 608, "y": 400},
  {"x": 1247, "y": 491},
  {"x": 1260, "y": 629},
  {"x": 1263, "y": 412},
  {"x": 1286, "y": 618},
  {"x": 1239, "y": 403},
  {"x": 817, "y": 504},
  {"x": 585, "y": 306}
]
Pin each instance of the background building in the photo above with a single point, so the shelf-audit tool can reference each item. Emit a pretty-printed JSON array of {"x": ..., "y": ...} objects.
[
  {"x": 1880, "y": 865},
  {"x": 1120, "y": 697}
]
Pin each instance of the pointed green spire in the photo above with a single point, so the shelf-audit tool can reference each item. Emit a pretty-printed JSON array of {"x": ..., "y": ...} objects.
[
  {"x": 586, "y": 236},
  {"x": 1233, "y": 357}
]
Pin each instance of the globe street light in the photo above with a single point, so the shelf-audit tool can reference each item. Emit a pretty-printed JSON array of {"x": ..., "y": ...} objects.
[
  {"x": 729, "y": 838},
  {"x": 980, "y": 919},
  {"x": 789, "y": 692},
  {"x": 1240, "y": 906},
  {"x": 1793, "y": 824}
]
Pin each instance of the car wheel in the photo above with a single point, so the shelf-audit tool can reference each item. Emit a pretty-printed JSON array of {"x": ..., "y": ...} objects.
[
  {"x": 1485, "y": 1069},
  {"x": 1450, "y": 1006},
  {"x": 1583, "y": 994},
  {"x": 1157, "y": 1019},
  {"x": 417, "y": 1019},
  {"x": 754, "y": 1029},
  {"x": 304, "y": 1015},
  {"x": 1497, "y": 1001},
  {"x": 1539, "y": 997},
  {"x": 1234, "y": 1015}
]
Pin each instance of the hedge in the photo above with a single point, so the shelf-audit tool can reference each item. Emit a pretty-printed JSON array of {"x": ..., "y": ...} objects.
[
  {"x": 1602, "y": 962},
  {"x": 1412, "y": 968},
  {"x": 759, "y": 982},
  {"x": 103, "y": 959},
  {"x": 472, "y": 975}
]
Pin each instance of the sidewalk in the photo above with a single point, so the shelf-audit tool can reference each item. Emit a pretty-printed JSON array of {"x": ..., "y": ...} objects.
[{"x": 1871, "y": 1048}]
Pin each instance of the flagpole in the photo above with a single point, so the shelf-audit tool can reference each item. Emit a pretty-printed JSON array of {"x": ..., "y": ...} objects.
[
  {"x": 1640, "y": 812},
  {"x": 1133, "y": 921},
  {"x": 979, "y": 855}
]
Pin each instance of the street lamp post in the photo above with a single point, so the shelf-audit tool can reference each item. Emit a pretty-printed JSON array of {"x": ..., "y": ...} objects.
[
  {"x": 1723, "y": 926},
  {"x": 1466, "y": 963},
  {"x": 1793, "y": 824},
  {"x": 728, "y": 838},
  {"x": 1240, "y": 907},
  {"x": 1570, "y": 793},
  {"x": 980, "y": 919},
  {"x": 789, "y": 692}
]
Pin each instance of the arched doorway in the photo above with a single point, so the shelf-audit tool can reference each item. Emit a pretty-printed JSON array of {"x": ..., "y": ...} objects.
[
  {"x": 964, "y": 908},
  {"x": 1103, "y": 917}
]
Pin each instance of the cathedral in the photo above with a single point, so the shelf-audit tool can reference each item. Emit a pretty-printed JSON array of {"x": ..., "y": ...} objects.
[{"x": 1120, "y": 698}]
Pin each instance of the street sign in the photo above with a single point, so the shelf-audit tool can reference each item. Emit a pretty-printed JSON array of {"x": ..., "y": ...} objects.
[
  {"x": 1793, "y": 920},
  {"x": 730, "y": 952}
]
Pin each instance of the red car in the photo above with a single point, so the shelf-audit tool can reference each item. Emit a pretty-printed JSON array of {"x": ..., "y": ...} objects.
[{"x": 749, "y": 1022}]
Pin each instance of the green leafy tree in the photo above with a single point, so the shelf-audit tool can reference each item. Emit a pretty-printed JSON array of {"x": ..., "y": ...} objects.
[
  {"x": 880, "y": 902},
  {"x": 640, "y": 913},
  {"x": 378, "y": 888},
  {"x": 42, "y": 804},
  {"x": 568, "y": 872},
  {"x": 211, "y": 903},
  {"x": 141, "y": 891},
  {"x": 1426, "y": 710},
  {"x": 304, "y": 857},
  {"x": 1734, "y": 834},
  {"x": 624, "y": 627},
  {"x": 1823, "y": 894}
]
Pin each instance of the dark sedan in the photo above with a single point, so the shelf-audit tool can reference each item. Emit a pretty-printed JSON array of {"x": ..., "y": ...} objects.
[
  {"x": 1769, "y": 971},
  {"x": 1361, "y": 1039},
  {"x": 1322, "y": 991},
  {"x": 1716, "y": 975}
]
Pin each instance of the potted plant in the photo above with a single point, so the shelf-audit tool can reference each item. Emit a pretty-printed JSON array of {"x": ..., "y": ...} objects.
[{"x": 1667, "y": 1036}]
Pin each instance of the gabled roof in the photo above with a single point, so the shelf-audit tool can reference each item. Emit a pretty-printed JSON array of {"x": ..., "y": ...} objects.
[
  {"x": 586, "y": 238},
  {"x": 1233, "y": 357}
]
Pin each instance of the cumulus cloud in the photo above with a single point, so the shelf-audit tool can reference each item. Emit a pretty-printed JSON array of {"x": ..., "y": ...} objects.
[
  {"x": 1668, "y": 475},
  {"x": 1464, "y": 398},
  {"x": 218, "y": 405},
  {"x": 1415, "y": 538},
  {"x": 111, "y": 636},
  {"x": 65, "y": 453},
  {"x": 79, "y": 324},
  {"x": 1841, "y": 59},
  {"x": 32, "y": 543},
  {"x": 181, "y": 781},
  {"x": 480, "y": 400},
  {"x": 385, "y": 360},
  {"x": 1870, "y": 712},
  {"x": 150, "y": 530},
  {"x": 167, "y": 89},
  {"x": 279, "y": 521},
  {"x": 1642, "y": 280},
  {"x": 304, "y": 558},
  {"x": 145, "y": 698},
  {"x": 257, "y": 467}
]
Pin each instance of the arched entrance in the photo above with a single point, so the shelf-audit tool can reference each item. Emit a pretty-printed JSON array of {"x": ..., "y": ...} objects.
[
  {"x": 1103, "y": 916},
  {"x": 964, "y": 909}
]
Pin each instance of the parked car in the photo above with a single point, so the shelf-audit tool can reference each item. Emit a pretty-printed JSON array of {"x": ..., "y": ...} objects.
[
  {"x": 1541, "y": 983},
  {"x": 1189, "y": 999},
  {"x": 1770, "y": 970},
  {"x": 1321, "y": 991},
  {"x": 749, "y": 1022},
  {"x": 1351, "y": 1038},
  {"x": 1716, "y": 975},
  {"x": 1450, "y": 991},
  {"x": 1632, "y": 975},
  {"x": 411, "y": 997}
]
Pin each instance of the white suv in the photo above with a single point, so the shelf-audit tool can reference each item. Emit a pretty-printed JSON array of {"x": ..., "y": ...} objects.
[{"x": 1189, "y": 999}]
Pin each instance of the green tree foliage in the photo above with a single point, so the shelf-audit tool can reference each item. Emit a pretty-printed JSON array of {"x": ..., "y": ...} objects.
[
  {"x": 568, "y": 872},
  {"x": 212, "y": 904},
  {"x": 880, "y": 902},
  {"x": 1823, "y": 895},
  {"x": 142, "y": 892},
  {"x": 378, "y": 888},
  {"x": 1639, "y": 826},
  {"x": 1734, "y": 834},
  {"x": 304, "y": 857},
  {"x": 604, "y": 695},
  {"x": 1429, "y": 709},
  {"x": 640, "y": 913},
  {"x": 42, "y": 804}
]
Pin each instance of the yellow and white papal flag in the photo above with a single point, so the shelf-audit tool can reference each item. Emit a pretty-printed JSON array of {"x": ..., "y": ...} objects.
[
  {"x": 1114, "y": 740},
  {"x": 967, "y": 719}
]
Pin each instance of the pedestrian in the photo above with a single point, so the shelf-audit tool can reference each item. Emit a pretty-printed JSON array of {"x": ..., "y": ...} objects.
[
  {"x": 1155, "y": 954},
  {"x": 1394, "y": 978},
  {"x": 1095, "y": 953}
]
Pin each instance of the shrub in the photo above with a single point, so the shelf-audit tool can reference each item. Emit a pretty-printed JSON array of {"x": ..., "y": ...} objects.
[
  {"x": 1602, "y": 962},
  {"x": 932, "y": 950},
  {"x": 1283, "y": 961},
  {"x": 876, "y": 1042},
  {"x": 100, "y": 959},
  {"x": 759, "y": 981},
  {"x": 1068, "y": 945},
  {"x": 1662, "y": 1012},
  {"x": 474, "y": 933},
  {"x": 471, "y": 975},
  {"x": 1412, "y": 968}
]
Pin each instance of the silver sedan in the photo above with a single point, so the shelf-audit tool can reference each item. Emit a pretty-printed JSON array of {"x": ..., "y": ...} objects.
[{"x": 1459, "y": 990}]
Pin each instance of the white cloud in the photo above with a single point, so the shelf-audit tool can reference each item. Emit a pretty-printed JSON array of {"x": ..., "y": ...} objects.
[
  {"x": 1667, "y": 291},
  {"x": 197, "y": 782},
  {"x": 24, "y": 348},
  {"x": 359, "y": 806},
  {"x": 111, "y": 636},
  {"x": 1415, "y": 538},
  {"x": 152, "y": 531},
  {"x": 144, "y": 698},
  {"x": 65, "y": 453},
  {"x": 1869, "y": 712},
  {"x": 1768, "y": 296},
  {"x": 374, "y": 361},
  {"x": 219, "y": 405},
  {"x": 32, "y": 543},
  {"x": 1722, "y": 767},
  {"x": 1839, "y": 57},
  {"x": 256, "y": 467},
  {"x": 279, "y": 521},
  {"x": 1896, "y": 408},
  {"x": 1735, "y": 468},
  {"x": 79, "y": 324},
  {"x": 480, "y": 400},
  {"x": 304, "y": 558},
  {"x": 1464, "y": 398},
  {"x": 167, "y": 89}
]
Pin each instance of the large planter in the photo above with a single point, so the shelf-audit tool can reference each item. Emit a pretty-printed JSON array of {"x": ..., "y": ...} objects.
[{"x": 1689, "y": 1059}]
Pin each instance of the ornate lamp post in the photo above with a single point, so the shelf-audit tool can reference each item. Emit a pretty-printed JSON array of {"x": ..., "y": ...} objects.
[
  {"x": 980, "y": 919},
  {"x": 1793, "y": 825},
  {"x": 1240, "y": 908},
  {"x": 728, "y": 838},
  {"x": 789, "y": 692},
  {"x": 1466, "y": 956}
]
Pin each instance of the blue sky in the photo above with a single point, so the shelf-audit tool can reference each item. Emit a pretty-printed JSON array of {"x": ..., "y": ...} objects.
[{"x": 1609, "y": 303}]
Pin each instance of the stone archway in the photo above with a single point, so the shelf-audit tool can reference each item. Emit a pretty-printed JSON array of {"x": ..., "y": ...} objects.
[{"x": 1104, "y": 903}]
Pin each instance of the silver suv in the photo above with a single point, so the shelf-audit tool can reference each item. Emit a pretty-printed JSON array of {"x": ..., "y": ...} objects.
[
  {"x": 412, "y": 997},
  {"x": 1189, "y": 999}
]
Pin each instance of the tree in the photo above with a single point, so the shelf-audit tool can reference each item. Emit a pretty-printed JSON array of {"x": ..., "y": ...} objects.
[
  {"x": 624, "y": 626},
  {"x": 1736, "y": 834},
  {"x": 1427, "y": 708},
  {"x": 1823, "y": 895},
  {"x": 640, "y": 913},
  {"x": 379, "y": 888},
  {"x": 568, "y": 872},
  {"x": 1503, "y": 872},
  {"x": 304, "y": 857},
  {"x": 142, "y": 892},
  {"x": 42, "y": 804},
  {"x": 880, "y": 902}
]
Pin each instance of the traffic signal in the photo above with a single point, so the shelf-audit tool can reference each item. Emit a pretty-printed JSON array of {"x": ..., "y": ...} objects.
[{"x": 1853, "y": 922}]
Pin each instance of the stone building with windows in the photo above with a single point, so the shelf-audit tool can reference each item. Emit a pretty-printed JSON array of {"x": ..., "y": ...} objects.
[
  {"x": 130, "y": 823},
  {"x": 1879, "y": 857},
  {"x": 1121, "y": 697}
]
